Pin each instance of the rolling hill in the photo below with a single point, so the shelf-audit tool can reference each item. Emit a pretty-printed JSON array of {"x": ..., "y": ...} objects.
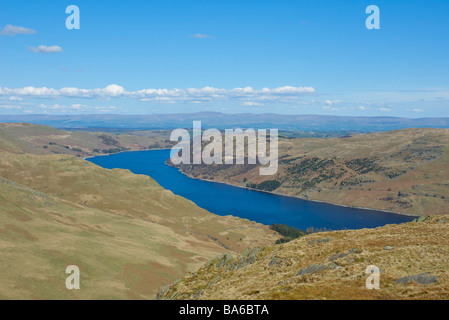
[
  {"x": 404, "y": 171},
  {"x": 42, "y": 140},
  {"x": 128, "y": 235}
]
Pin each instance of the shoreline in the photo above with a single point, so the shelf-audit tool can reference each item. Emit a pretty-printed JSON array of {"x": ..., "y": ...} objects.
[
  {"x": 296, "y": 197},
  {"x": 250, "y": 189},
  {"x": 111, "y": 154}
]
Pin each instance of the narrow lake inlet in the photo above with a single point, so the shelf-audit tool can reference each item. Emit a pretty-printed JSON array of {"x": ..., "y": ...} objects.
[{"x": 265, "y": 208}]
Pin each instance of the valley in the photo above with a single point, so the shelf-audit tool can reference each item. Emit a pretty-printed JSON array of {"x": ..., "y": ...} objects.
[
  {"x": 131, "y": 237},
  {"x": 128, "y": 235}
]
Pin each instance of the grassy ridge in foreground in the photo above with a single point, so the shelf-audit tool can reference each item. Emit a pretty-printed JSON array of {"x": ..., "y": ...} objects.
[{"x": 413, "y": 259}]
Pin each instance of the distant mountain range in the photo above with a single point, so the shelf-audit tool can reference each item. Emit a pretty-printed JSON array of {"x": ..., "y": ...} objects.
[{"x": 222, "y": 121}]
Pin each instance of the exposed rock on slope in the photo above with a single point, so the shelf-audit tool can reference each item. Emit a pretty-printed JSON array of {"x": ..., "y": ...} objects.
[{"x": 413, "y": 259}]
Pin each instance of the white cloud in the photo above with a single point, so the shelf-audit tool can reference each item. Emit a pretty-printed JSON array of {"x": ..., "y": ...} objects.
[
  {"x": 76, "y": 107},
  {"x": 252, "y": 104},
  {"x": 46, "y": 49},
  {"x": 202, "y": 36},
  {"x": 385, "y": 109},
  {"x": 10, "y": 30},
  {"x": 332, "y": 102},
  {"x": 206, "y": 94},
  {"x": 418, "y": 110},
  {"x": 329, "y": 108},
  {"x": 7, "y": 106},
  {"x": 114, "y": 90},
  {"x": 362, "y": 108}
]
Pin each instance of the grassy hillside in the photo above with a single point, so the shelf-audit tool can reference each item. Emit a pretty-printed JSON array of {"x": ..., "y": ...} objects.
[
  {"x": 413, "y": 259},
  {"x": 403, "y": 171},
  {"x": 128, "y": 235},
  {"x": 37, "y": 139}
]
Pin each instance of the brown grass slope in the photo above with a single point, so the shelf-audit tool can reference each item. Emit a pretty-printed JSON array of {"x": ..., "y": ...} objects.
[
  {"x": 128, "y": 235},
  {"x": 38, "y": 139},
  {"x": 413, "y": 259},
  {"x": 404, "y": 171}
]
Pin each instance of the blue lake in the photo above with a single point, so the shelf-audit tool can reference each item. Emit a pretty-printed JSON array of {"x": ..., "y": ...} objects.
[{"x": 265, "y": 208}]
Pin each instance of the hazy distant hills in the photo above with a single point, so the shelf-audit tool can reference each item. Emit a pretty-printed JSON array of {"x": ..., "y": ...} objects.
[{"x": 222, "y": 121}]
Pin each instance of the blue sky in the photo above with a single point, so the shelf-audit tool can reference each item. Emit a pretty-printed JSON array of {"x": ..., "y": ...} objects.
[{"x": 290, "y": 57}]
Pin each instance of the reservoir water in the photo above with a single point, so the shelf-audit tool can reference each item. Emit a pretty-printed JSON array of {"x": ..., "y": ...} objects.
[{"x": 261, "y": 207}]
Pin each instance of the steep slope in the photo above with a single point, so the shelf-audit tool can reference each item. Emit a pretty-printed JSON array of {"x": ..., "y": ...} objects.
[
  {"x": 413, "y": 259},
  {"x": 128, "y": 235},
  {"x": 404, "y": 171},
  {"x": 118, "y": 191}
]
